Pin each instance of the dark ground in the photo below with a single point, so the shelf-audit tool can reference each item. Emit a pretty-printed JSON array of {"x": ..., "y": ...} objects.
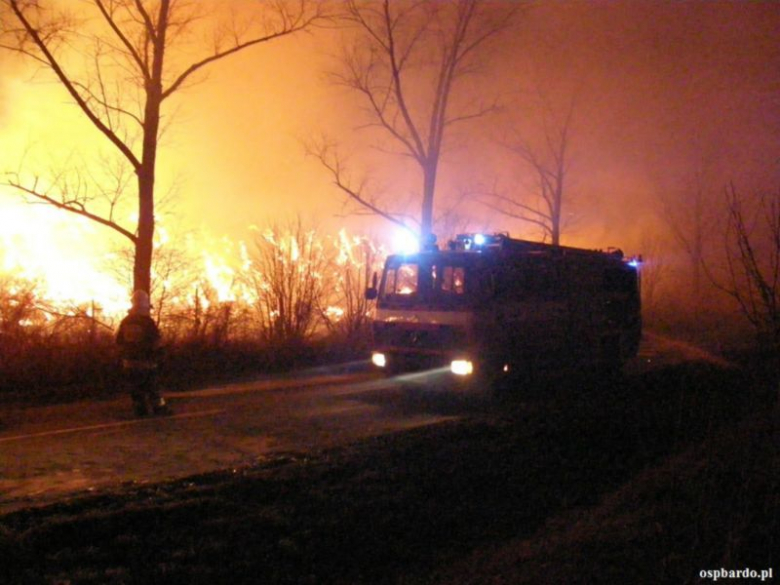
[{"x": 646, "y": 479}]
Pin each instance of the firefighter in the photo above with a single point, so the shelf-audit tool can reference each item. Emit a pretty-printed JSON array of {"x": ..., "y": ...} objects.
[{"x": 139, "y": 340}]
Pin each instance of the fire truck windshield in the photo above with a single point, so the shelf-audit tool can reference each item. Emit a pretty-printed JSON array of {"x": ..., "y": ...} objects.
[
  {"x": 402, "y": 280},
  {"x": 432, "y": 282}
]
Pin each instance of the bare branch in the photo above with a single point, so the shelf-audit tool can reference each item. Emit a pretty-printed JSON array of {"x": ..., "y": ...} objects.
[
  {"x": 512, "y": 207},
  {"x": 468, "y": 116},
  {"x": 332, "y": 162},
  {"x": 151, "y": 29},
  {"x": 110, "y": 19},
  {"x": 107, "y": 106},
  {"x": 752, "y": 258},
  {"x": 74, "y": 205},
  {"x": 291, "y": 23},
  {"x": 396, "y": 64},
  {"x": 68, "y": 84}
]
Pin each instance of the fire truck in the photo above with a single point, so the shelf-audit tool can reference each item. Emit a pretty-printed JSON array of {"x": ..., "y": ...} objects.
[{"x": 488, "y": 305}]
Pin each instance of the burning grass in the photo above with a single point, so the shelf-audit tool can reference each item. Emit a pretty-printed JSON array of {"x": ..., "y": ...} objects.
[
  {"x": 292, "y": 301},
  {"x": 54, "y": 372}
]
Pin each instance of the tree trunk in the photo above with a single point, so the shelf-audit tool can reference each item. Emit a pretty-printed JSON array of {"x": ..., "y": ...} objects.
[
  {"x": 429, "y": 189},
  {"x": 555, "y": 222},
  {"x": 557, "y": 207},
  {"x": 142, "y": 268},
  {"x": 556, "y": 232},
  {"x": 144, "y": 248}
]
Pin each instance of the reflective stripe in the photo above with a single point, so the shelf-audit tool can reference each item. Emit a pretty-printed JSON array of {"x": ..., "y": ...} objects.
[
  {"x": 458, "y": 318},
  {"x": 139, "y": 364}
]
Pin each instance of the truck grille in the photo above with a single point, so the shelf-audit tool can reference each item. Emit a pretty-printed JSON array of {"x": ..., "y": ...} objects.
[{"x": 416, "y": 337}]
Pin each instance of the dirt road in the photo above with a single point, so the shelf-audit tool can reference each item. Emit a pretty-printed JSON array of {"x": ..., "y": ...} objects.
[{"x": 47, "y": 453}]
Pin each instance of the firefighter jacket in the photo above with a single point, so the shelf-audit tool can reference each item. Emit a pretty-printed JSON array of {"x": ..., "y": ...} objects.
[{"x": 138, "y": 339}]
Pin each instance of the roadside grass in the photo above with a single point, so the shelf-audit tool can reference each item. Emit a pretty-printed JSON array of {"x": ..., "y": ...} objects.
[
  {"x": 573, "y": 479},
  {"x": 56, "y": 373},
  {"x": 715, "y": 506}
]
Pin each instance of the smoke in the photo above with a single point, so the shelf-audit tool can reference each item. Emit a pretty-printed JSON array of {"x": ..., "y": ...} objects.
[
  {"x": 11, "y": 72},
  {"x": 3, "y": 92}
]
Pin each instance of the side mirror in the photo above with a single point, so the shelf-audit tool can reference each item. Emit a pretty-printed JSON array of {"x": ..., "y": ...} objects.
[{"x": 371, "y": 291}]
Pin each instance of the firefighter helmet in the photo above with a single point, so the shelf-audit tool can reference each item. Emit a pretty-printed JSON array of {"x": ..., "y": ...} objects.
[{"x": 140, "y": 302}]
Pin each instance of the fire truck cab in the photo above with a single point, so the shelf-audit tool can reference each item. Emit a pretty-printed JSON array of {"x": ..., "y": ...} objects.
[{"x": 491, "y": 304}]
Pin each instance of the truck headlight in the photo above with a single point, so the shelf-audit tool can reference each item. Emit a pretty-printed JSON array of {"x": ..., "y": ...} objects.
[
  {"x": 461, "y": 367},
  {"x": 378, "y": 359}
]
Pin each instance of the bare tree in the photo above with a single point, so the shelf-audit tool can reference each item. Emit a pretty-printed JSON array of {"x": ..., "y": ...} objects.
[
  {"x": 172, "y": 277},
  {"x": 345, "y": 309},
  {"x": 753, "y": 262},
  {"x": 408, "y": 64},
  {"x": 653, "y": 273},
  {"x": 548, "y": 158},
  {"x": 688, "y": 211},
  {"x": 135, "y": 58},
  {"x": 287, "y": 275},
  {"x": 19, "y": 306}
]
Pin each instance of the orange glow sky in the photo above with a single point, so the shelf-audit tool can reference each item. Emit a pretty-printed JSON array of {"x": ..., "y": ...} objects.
[{"x": 659, "y": 81}]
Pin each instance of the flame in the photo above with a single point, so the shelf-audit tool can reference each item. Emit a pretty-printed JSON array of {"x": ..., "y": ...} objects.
[
  {"x": 220, "y": 277},
  {"x": 39, "y": 244},
  {"x": 71, "y": 263},
  {"x": 335, "y": 313}
]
